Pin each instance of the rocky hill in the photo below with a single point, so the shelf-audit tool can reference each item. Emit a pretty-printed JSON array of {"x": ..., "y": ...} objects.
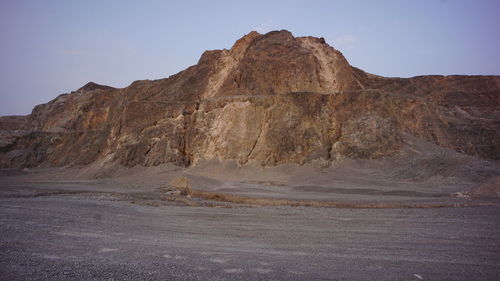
[{"x": 270, "y": 99}]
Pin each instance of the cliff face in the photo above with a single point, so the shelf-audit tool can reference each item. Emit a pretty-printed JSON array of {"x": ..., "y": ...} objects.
[{"x": 271, "y": 98}]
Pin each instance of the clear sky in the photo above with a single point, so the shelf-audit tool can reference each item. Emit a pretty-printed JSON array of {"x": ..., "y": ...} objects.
[{"x": 52, "y": 47}]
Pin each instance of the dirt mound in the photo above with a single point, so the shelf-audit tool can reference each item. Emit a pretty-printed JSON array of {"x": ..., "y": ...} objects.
[
  {"x": 182, "y": 184},
  {"x": 488, "y": 189}
]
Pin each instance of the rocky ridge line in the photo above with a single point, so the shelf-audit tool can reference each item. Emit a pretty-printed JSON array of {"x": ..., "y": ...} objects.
[{"x": 270, "y": 99}]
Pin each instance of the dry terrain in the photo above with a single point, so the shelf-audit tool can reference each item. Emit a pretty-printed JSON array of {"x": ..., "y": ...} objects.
[
  {"x": 272, "y": 160},
  {"x": 379, "y": 220}
]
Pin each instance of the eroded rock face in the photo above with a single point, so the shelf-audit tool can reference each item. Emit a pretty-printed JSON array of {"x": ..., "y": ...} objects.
[{"x": 271, "y": 98}]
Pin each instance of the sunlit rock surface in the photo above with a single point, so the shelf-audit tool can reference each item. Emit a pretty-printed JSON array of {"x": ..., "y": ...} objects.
[{"x": 272, "y": 99}]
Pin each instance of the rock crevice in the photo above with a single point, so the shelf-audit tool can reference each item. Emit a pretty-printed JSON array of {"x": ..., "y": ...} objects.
[{"x": 270, "y": 99}]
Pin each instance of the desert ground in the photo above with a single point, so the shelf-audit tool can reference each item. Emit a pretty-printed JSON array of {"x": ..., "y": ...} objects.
[{"x": 389, "y": 219}]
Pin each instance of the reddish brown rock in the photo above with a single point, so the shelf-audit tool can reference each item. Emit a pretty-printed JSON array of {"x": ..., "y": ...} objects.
[{"x": 271, "y": 98}]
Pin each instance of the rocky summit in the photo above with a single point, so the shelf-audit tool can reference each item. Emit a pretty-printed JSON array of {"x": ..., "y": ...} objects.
[{"x": 270, "y": 99}]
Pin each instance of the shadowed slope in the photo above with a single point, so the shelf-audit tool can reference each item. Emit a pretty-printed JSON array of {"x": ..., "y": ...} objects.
[{"x": 271, "y": 99}]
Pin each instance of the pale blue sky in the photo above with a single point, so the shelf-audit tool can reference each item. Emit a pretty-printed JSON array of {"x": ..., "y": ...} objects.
[{"x": 52, "y": 47}]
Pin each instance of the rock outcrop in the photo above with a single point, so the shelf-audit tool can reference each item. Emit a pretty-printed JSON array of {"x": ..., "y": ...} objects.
[{"x": 271, "y": 98}]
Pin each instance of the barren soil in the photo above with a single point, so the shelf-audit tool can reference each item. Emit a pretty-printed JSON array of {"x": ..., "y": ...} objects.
[
  {"x": 81, "y": 237},
  {"x": 113, "y": 223}
]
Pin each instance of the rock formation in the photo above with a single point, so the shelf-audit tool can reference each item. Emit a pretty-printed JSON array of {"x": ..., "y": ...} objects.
[{"x": 271, "y": 98}]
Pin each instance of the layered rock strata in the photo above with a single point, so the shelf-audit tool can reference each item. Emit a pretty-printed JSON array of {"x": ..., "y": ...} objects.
[{"x": 271, "y": 99}]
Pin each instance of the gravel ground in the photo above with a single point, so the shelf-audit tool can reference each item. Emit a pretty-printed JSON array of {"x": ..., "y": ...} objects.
[{"x": 92, "y": 237}]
